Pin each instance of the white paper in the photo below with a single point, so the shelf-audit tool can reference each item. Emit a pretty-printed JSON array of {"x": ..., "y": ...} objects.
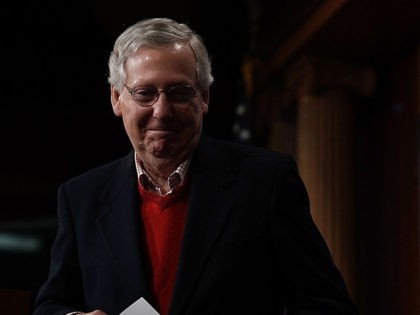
[{"x": 140, "y": 307}]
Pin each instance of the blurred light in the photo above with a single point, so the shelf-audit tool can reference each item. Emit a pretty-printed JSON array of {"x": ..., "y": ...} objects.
[{"x": 19, "y": 243}]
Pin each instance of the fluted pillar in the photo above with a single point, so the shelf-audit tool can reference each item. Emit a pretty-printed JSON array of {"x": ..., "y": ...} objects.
[
  {"x": 325, "y": 149},
  {"x": 325, "y": 158}
]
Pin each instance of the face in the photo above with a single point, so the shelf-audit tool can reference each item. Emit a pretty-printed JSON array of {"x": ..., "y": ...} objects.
[{"x": 162, "y": 131}]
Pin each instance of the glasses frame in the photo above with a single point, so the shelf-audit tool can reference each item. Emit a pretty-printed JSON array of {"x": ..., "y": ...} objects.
[{"x": 166, "y": 91}]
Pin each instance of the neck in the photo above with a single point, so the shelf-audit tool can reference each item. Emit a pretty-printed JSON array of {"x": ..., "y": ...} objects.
[{"x": 158, "y": 169}]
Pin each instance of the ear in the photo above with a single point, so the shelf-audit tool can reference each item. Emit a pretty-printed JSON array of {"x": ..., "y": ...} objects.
[
  {"x": 115, "y": 101},
  {"x": 205, "y": 98}
]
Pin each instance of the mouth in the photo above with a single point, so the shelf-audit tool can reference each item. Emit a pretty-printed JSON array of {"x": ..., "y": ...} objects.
[
  {"x": 159, "y": 133},
  {"x": 161, "y": 141}
]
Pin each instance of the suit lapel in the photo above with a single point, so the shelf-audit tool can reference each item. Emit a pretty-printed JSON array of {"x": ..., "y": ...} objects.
[
  {"x": 120, "y": 225},
  {"x": 212, "y": 196}
]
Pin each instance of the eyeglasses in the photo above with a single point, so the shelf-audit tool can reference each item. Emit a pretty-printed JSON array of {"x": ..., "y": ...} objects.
[{"x": 178, "y": 95}]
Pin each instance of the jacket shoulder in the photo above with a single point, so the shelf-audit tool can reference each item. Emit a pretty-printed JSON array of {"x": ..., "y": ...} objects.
[
  {"x": 102, "y": 173},
  {"x": 239, "y": 152}
]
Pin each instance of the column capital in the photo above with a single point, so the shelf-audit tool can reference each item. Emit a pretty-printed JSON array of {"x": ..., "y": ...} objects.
[{"x": 311, "y": 75}]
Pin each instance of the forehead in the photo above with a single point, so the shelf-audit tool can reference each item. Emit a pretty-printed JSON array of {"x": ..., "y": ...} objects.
[{"x": 175, "y": 62}]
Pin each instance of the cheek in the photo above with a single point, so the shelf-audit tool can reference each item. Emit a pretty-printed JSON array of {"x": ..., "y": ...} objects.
[
  {"x": 133, "y": 121},
  {"x": 193, "y": 127},
  {"x": 193, "y": 120}
]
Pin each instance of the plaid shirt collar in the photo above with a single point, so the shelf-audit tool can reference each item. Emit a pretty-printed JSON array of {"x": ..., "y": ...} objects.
[{"x": 174, "y": 180}]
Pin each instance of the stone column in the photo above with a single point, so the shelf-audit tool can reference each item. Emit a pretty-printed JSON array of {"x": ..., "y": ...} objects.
[{"x": 325, "y": 149}]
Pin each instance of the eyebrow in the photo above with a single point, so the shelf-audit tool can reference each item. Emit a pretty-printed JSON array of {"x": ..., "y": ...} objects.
[{"x": 171, "y": 84}]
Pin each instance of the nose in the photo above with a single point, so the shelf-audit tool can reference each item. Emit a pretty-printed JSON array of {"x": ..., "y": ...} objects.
[{"x": 162, "y": 109}]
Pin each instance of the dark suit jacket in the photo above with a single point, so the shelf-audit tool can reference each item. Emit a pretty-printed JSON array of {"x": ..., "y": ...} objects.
[{"x": 250, "y": 245}]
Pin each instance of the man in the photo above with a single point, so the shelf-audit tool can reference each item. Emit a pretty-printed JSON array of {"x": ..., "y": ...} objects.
[{"x": 191, "y": 224}]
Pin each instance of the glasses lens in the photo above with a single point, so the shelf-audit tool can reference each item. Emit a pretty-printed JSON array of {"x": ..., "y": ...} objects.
[
  {"x": 145, "y": 96},
  {"x": 181, "y": 94}
]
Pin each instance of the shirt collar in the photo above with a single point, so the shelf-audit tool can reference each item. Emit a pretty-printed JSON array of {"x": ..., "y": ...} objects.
[{"x": 175, "y": 179}]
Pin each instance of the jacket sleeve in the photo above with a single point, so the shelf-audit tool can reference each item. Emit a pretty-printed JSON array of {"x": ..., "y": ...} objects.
[{"x": 62, "y": 292}]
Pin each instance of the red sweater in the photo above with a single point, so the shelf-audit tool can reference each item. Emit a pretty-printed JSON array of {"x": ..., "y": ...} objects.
[{"x": 164, "y": 221}]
